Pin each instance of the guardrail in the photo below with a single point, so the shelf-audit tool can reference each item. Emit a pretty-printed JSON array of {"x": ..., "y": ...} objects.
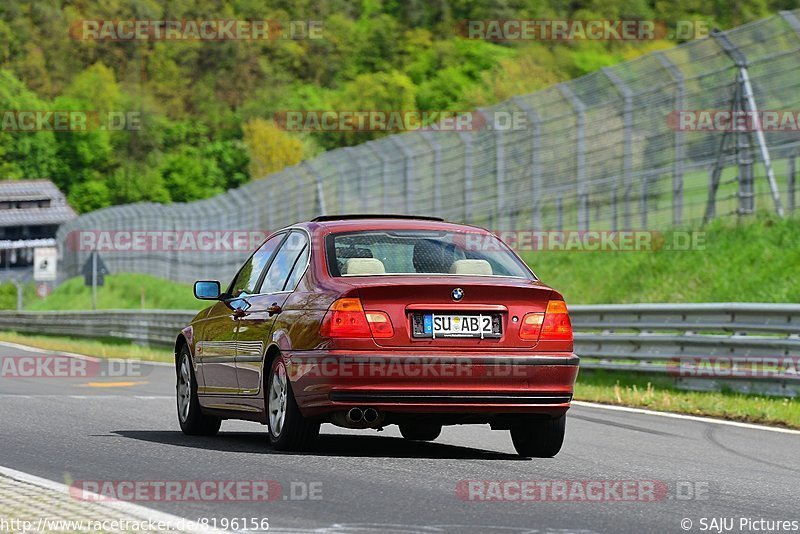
[
  {"x": 148, "y": 327},
  {"x": 742, "y": 346}
]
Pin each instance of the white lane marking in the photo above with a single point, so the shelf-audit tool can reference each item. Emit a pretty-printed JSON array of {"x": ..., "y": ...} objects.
[
  {"x": 699, "y": 419},
  {"x": 124, "y": 507},
  {"x": 29, "y": 348},
  {"x": 82, "y": 397}
]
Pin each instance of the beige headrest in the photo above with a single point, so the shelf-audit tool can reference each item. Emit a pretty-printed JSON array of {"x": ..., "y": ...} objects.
[
  {"x": 361, "y": 266},
  {"x": 481, "y": 267}
]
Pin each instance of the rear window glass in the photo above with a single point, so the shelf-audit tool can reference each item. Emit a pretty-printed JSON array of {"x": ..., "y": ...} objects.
[{"x": 388, "y": 252}]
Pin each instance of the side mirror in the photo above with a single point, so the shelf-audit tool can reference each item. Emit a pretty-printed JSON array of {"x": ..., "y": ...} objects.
[{"x": 207, "y": 290}]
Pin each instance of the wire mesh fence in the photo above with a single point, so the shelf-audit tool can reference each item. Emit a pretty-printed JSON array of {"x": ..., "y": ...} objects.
[{"x": 596, "y": 153}]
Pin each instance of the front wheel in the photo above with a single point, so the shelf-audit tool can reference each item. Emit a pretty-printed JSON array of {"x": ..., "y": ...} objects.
[
  {"x": 420, "y": 432},
  {"x": 192, "y": 420},
  {"x": 539, "y": 438},
  {"x": 288, "y": 429}
]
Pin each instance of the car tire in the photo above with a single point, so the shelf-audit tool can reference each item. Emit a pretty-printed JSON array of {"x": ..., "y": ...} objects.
[
  {"x": 288, "y": 429},
  {"x": 421, "y": 432},
  {"x": 539, "y": 438},
  {"x": 190, "y": 416}
]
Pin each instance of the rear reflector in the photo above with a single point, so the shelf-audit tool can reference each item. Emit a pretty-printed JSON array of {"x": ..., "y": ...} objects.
[
  {"x": 556, "y": 325},
  {"x": 380, "y": 324},
  {"x": 347, "y": 318},
  {"x": 531, "y": 326}
]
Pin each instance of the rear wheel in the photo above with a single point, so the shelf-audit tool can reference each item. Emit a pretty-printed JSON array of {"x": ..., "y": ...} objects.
[
  {"x": 539, "y": 438},
  {"x": 288, "y": 429},
  {"x": 192, "y": 420},
  {"x": 421, "y": 431}
]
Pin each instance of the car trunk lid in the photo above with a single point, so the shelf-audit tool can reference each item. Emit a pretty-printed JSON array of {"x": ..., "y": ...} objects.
[{"x": 413, "y": 303}]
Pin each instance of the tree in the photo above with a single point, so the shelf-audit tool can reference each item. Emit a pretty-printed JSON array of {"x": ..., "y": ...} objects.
[
  {"x": 96, "y": 87},
  {"x": 270, "y": 148},
  {"x": 24, "y": 154},
  {"x": 89, "y": 196},
  {"x": 189, "y": 176}
]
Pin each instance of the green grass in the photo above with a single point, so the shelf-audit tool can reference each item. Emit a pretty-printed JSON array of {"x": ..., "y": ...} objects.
[
  {"x": 121, "y": 291},
  {"x": 659, "y": 393},
  {"x": 752, "y": 261},
  {"x": 105, "y": 348}
]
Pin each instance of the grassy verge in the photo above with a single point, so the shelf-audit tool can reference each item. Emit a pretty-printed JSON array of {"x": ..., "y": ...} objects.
[
  {"x": 120, "y": 291},
  {"x": 657, "y": 393},
  {"x": 100, "y": 348},
  {"x": 747, "y": 262}
]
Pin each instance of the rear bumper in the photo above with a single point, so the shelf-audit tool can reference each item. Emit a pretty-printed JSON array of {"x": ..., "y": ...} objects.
[{"x": 444, "y": 382}]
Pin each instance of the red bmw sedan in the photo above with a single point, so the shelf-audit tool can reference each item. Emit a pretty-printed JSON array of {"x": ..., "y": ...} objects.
[{"x": 368, "y": 321}]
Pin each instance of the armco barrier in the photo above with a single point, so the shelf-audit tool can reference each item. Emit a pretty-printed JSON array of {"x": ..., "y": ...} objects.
[{"x": 651, "y": 338}]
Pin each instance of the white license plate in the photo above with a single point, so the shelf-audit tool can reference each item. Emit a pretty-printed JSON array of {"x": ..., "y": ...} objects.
[{"x": 458, "y": 325}]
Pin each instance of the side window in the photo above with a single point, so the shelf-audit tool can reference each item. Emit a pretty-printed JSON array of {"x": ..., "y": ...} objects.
[
  {"x": 283, "y": 263},
  {"x": 247, "y": 278},
  {"x": 297, "y": 271}
]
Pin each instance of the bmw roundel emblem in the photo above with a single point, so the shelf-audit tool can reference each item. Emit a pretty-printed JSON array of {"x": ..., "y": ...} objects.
[{"x": 458, "y": 293}]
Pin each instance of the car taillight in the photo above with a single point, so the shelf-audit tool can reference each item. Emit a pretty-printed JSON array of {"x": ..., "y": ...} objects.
[
  {"x": 553, "y": 325},
  {"x": 556, "y": 325},
  {"x": 531, "y": 326},
  {"x": 380, "y": 324},
  {"x": 347, "y": 318}
]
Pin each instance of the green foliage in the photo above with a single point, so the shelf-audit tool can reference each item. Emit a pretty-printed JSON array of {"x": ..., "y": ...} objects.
[
  {"x": 188, "y": 176},
  {"x": 195, "y": 97},
  {"x": 89, "y": 196},
  {"x": 24, "y": 154}
]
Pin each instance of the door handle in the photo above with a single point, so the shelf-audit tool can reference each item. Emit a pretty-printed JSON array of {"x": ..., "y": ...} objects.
[{"x": 274, "y": 309}]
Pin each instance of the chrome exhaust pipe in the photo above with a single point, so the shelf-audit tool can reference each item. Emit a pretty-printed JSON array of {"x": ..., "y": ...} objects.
[
  {"x": 370, "y": 416},
  {"x": 354, "y": 415}
]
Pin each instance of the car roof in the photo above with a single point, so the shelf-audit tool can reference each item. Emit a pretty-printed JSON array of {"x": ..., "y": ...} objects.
[
  {"x": 346, "y": 217},
  {"x": 352, "y": 223}
]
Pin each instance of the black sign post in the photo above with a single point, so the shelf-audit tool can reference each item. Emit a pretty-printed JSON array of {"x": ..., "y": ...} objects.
[{"x": 94, "y": 271}]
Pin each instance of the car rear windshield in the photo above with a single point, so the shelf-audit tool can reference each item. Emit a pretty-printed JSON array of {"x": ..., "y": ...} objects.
[{"x": 404, "y": 252}]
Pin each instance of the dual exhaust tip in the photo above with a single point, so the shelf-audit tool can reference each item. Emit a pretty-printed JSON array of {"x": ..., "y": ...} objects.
[{"x": 370, "y": 416}]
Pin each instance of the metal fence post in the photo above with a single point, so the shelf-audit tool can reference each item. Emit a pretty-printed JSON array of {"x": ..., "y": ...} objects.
[
  {"x": 536, "y": 171},
  {"x": 342, "y": 182},
  {"x": 408, "y": 169},
  {"x": 384, "y": 175},
  {"x": 792, "y": 20},
  {"x": 746, "y": 192},
  {"x": 500, "y": 168},
  {"x": 437, "y": 171},
  {"x": 320, "y": 200},
  {"x": 466, "y": 139},
  {"x": 559, "y": 213},
  {"x": 677, "y": 165},
  {"x": 350, "y": 151},
  {"x": 627, "y": 152},
  {"x": 743, "y": 77},
  {"x": 791, "y": 181},
  {"x": 580, "y": 155},
  {"x": 300, "y": 191}
]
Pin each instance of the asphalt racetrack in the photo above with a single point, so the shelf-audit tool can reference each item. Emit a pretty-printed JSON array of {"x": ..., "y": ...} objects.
[{"x": 468, "y": 480}]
